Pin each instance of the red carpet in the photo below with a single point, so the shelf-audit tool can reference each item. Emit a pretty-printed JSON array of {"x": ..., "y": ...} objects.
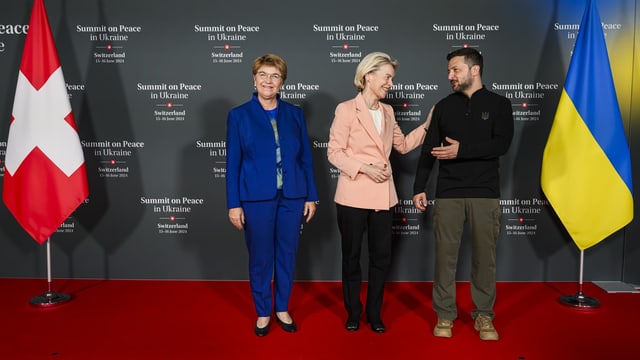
[{"x": 123, "y": 319}]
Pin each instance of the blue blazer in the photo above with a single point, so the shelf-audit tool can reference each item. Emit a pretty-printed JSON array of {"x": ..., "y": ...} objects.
[{"x": 251, "y": 154}]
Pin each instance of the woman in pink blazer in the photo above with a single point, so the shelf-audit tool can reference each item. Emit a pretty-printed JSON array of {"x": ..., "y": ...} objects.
[{"x": 363, "y": 132}]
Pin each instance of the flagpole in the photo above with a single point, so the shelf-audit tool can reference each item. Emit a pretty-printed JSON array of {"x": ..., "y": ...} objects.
[
  {"x": 49, "y": 298},
  {"x": 579, "y": 300}
]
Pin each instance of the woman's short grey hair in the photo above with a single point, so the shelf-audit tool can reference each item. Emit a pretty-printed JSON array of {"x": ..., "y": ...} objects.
[{"x": 369, "y": 63}]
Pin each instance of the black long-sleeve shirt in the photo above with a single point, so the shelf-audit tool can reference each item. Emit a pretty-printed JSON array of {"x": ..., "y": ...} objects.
[{"x": 483, "y": 124}]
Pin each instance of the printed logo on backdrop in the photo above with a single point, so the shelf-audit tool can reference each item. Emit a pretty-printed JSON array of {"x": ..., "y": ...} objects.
[
  {"x": 462, "y": 34},
  {"x": 218, "y": 151},
  {"x": 571, "y": 30},
  {"x": 109, "y": 41},
  {"x": 69, "y": 224},
  {"x": 405, "y": 220},
  {"x": 67, "y": 227},
  {"x": 226, "y": 39},
  {"x": 172, "y": 213},
  {"x": 520, "y": 215},
  {"x": 297, "y": 91},
  {"x": 526, "y": 98},
  {"x": 11, "y": 29},
  {"x": 345, "y": 40},
  {"x": 73, "y": 88},
  {"x": 169, "y": 99},
  {"x": 113, "y": 156},
  {"x": 405, "y": 99},
  {"x": 465, "y": 32}
]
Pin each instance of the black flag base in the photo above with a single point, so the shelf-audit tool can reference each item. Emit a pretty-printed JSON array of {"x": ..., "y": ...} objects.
[
  {"x": 49, "y": 299},
  {"x": 579, "y": 301}
]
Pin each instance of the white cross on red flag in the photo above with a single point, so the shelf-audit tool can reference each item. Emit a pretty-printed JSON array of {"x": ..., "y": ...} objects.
[{"x": 45, "y": 179}]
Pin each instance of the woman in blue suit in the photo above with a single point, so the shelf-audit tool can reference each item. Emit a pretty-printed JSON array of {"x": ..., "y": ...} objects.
[{"x": 270, "y": 188}]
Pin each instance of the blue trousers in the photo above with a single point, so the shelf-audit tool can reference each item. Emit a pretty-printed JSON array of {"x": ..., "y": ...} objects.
[{"x": 272, "y": 233}]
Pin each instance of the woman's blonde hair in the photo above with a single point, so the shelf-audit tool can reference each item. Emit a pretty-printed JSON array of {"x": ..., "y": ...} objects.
[{"x": 369, "y": 63}]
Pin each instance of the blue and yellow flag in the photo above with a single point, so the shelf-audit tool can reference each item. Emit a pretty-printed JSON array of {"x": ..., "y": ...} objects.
[{"x": 586, "y": 165}]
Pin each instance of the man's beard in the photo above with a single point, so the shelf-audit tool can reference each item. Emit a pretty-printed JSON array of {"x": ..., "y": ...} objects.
[{"x": 462, "y": 86}]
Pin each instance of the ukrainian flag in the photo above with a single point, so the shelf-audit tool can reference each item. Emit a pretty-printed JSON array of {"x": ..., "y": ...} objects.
[{"x": 586, "y": 165}]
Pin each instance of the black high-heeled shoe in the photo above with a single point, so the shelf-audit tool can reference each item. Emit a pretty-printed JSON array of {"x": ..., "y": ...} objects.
[{"x": 287, "y": 327}]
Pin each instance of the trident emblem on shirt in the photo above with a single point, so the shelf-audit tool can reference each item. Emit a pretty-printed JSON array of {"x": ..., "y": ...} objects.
[{"x": 485, "y": 115}]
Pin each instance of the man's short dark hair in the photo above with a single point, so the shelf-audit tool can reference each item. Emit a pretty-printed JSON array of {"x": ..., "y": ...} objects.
[{"x": 471, "y": 57}]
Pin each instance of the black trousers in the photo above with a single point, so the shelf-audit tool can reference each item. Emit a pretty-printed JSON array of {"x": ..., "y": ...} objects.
[{"x": 353, "y": 224}]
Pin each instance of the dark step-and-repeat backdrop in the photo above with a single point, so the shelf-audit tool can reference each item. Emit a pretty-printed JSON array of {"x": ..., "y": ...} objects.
[{"x": 151, "y": 82}]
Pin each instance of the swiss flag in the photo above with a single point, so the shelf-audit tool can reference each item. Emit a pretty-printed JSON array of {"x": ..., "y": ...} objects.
[{"x": 45, "y": 178}]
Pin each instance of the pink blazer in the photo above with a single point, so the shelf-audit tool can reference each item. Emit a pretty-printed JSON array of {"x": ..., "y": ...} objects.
[{"x": 354, "y": 141}]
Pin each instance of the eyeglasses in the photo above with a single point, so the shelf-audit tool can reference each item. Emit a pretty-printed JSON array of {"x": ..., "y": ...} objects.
[{"x": 264, "y": 76}]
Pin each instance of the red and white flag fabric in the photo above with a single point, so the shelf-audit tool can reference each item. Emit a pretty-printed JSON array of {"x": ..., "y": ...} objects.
[{"x": 45, "y": 177}]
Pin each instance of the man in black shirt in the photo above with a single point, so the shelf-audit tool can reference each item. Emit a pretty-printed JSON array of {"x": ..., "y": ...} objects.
[{"x": 470, "y": 129}]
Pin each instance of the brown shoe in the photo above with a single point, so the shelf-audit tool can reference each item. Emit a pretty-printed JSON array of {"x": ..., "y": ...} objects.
[
  {"x": 443, "y": 328},
  {"x": 485, "y": 327}
]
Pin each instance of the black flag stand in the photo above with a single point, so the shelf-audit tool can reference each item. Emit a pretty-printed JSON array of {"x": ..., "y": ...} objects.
[
  {"x": 579, "y": 300},
  {"x": 49, "y": 298}
]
